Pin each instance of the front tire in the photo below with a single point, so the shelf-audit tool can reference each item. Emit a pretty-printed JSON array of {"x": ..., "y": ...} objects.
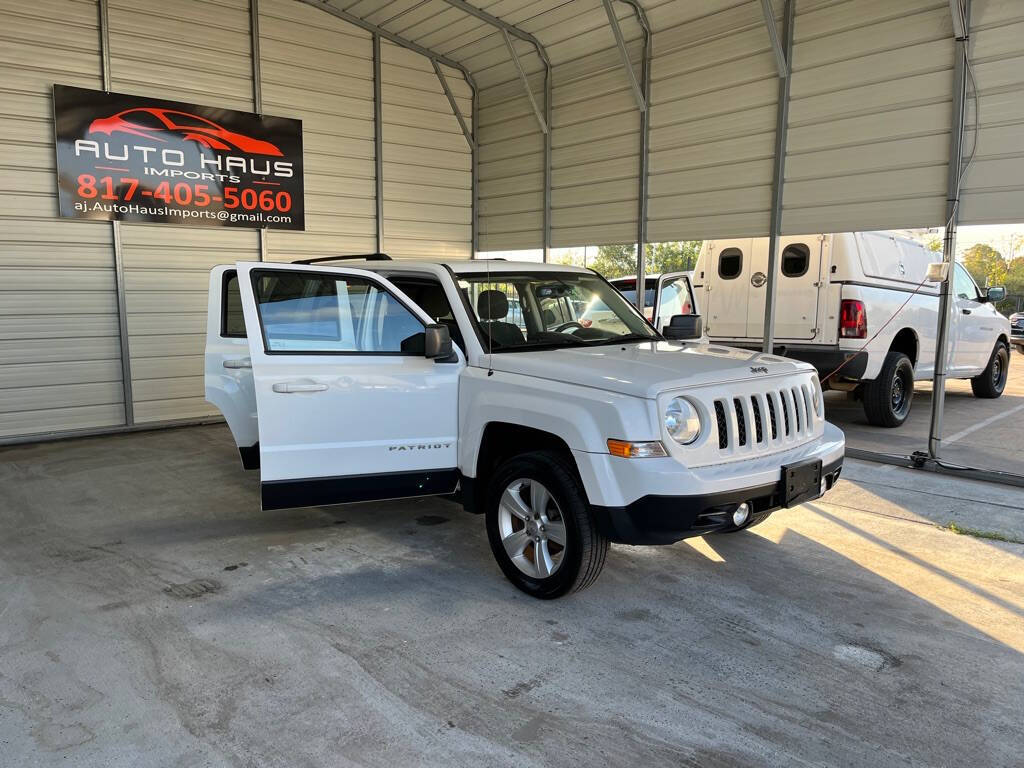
[
  {"x": 887, "y": 399},
  {"x": 991, "y": 382},
  {"x": 540, "y": 528}
]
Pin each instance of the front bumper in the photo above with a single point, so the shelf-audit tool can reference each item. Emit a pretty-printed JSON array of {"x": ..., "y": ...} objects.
[
  {"x": 668, "y": 519},
  {"x": 1017, "y": 339},
  {"x": 660, "y": 501}
]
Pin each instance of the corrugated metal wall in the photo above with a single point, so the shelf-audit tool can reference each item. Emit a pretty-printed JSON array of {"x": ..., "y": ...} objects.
[
  {"x": 319, "y": 69},
  {"x": 427, "y": 160},
  {"x": 201, "y": 56},
  {"x": 869, "y": 116},
  {"x": 60, "y": 365},
  {"x": 59, "y": 347},
  {"x": 994, "y": 186},
  {"x": 714, "y": 96}
]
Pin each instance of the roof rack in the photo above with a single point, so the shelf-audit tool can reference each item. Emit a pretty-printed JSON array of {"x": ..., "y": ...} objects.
[{"x": 347, "y": 257}]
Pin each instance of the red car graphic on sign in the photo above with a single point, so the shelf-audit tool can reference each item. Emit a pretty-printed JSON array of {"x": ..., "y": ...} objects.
[{"x": 150, "y": 122}]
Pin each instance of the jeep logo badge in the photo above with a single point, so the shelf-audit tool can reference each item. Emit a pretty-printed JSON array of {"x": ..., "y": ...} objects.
[
  {"x": 758, "y": 369},
  {"x": 758, "y": 279}
]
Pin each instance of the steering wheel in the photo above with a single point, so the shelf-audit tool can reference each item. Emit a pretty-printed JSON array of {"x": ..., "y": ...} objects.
[{"x": 570, "y": 324}]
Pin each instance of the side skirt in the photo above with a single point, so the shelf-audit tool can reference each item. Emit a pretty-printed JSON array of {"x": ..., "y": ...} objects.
[{"x": 321, "y": 491}]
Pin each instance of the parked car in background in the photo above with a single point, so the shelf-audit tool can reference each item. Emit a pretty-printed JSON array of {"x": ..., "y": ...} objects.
[
  {"x": 857, "y": 306},
  {"x": 383, "y": 379},
  {"x": 1017, "y": 331},
  {"x": 665, "y": 296}
]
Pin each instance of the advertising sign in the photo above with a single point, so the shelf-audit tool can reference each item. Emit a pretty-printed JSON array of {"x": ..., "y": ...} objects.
[{"x": 133, "y": 158}]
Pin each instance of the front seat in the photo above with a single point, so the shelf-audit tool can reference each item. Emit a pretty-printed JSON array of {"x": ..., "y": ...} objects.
[
  {"x": 432, "y": 300},
  {"x": 492, "y": 309}
]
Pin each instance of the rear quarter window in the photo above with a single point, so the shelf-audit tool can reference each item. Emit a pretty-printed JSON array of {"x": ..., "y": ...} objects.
[
  {"x": 796, "y": 258},
  {"x": 232, "y": 323}
]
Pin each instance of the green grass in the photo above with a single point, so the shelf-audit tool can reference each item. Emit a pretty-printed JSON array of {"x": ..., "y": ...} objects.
[{"x": 990, "y": 535}]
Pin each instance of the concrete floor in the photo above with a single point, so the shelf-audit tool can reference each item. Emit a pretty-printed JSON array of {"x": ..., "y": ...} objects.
[
  {"x": 150, "y": 614},
  {"x": 977, "y": 433}
]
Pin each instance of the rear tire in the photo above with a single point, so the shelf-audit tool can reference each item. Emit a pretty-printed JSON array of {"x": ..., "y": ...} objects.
[
  {"x": 991, "y": 382},
  {"x": 539, "y": 526},
  {"x": 887, "y": 399}
]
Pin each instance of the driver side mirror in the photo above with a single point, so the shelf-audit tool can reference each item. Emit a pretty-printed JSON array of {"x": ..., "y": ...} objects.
[
  {"x": 437, "y": 341},
  {"x": 995, "y": 293},
  {"x": 684, "y": 327}
]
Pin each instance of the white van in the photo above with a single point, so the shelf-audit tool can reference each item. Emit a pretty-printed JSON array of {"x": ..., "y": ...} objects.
[
  {"x": 858, "y": 307},
  {"x": 383, "y": 379}
]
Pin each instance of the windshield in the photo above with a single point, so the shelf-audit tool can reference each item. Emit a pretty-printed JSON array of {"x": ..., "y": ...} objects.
[{"x": 521, "y": 311}]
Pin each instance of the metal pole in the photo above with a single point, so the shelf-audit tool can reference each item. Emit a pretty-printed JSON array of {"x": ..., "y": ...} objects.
[
  {"x": 956, "y": 150},
  {"x": 645, "y": 135},
  {"x": 620, "y": 42},
  {"x": 475, "y": 172},
  {"x": 778, "y": 179},
  {"x": 115, "y": 227},
  {"x": 548, "y": 86},
  {"x": 257, "y": 91},
  {"x": 378, "y": 143},
  {"x": 781, "y": 57},
  {"x": 453, "y": 104}
]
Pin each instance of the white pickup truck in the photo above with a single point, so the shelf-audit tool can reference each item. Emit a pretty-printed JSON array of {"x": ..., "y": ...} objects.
[
  {"x": 382, "y": 379},
  {"x": 858, "y": 307}
]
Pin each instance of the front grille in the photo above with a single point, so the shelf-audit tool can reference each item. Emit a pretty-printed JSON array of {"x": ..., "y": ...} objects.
[
  {"x": 740, "y": 421},
  {"x": 723, "y": 432},
  {"x": 752, "y": 422}
]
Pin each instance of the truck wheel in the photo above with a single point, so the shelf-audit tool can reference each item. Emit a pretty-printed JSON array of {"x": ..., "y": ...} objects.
[
  {"x": 991, "y": 382},
  {"x": 540, "y": 528},
  {"x": 888, "y": 398}
]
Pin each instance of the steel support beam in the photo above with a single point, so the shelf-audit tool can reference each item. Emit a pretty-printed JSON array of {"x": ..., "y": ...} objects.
[
  {"x": 455, "y": 107},
  {"x": 778, "y": 178},
  {"x": 510, "y": 30},
  {"x": 620, "y": 42},
  {"x": 782, "y": 56},
  {"x": 524, "y": 80},
  {"x": 953, "y": 180},
  {"x": 257, "y": 91},
  {"x": 378, "y": 143},
  {"x": 115, "y": 232},
  {"x": 475, "y": 177}
]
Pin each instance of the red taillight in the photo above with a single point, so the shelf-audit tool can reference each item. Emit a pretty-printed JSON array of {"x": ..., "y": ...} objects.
[{"x": 853, "y": 320}]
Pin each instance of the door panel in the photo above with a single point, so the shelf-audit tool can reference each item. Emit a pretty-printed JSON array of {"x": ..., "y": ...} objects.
[
  {"x": 799, "y": 276},
  {"x": 349, "y": 408},
  {"x": 972, "y": 326},
  {"x": 674, "y": 297},
  {"x": 727, "y": 277},
  {"x": 228, "y": 369}
]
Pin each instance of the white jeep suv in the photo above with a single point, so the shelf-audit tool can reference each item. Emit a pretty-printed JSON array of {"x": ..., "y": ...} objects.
[{"x": 384, "y": 379}]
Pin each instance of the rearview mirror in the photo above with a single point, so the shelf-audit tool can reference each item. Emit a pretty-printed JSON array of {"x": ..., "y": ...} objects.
[
  {"x": 995, "y": 293},
  {"x": 684, "y": 327},
  {"x": 437, "y": 341}
]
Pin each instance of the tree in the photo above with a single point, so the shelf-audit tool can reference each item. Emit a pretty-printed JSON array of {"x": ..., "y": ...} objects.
[
  {"x": 986, "y": 265},
  {"x": 934, "y": 244},
  {"x": 620, "y": 260}
]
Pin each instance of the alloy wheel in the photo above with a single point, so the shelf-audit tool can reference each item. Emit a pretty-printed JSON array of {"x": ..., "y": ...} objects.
[{"x": 531, "y": 527}]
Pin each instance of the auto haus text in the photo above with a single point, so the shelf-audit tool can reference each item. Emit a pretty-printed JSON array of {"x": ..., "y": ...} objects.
[{"x": 214, "y": 167}]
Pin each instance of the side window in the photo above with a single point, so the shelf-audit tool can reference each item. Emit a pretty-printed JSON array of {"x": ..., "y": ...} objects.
[
  {"x": 232, "y": 323},
  {"x": 730, "y": 263},
  {"x": 963, "y": 283},
  {"x": 302, "y": 312},
  {"x": 796, "y": 257},
  {"x": 429, "y": 296}
]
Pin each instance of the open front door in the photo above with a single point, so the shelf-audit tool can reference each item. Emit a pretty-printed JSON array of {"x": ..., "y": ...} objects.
[{"x": 349, "y": 407}]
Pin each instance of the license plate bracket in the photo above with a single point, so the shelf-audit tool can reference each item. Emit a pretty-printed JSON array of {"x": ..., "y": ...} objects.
[{"x": 801, "y": 482}]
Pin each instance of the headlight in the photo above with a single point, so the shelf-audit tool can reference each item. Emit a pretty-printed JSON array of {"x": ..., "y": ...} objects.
[
  {"x": 682, "y": 421},
  {"x": 816, "y": 395}
]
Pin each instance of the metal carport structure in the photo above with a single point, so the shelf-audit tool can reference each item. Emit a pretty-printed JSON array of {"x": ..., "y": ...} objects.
[{"x": 443, "y": 128}]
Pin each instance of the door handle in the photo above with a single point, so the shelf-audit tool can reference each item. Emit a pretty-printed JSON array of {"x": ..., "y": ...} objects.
[
  {"x": 288, "y": 387},
  {"x": 240, "y": 362},
  {"x": 966, "y": 311}
]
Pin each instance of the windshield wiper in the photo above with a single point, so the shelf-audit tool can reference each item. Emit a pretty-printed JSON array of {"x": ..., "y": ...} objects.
[{"x": 628, "y": 337}]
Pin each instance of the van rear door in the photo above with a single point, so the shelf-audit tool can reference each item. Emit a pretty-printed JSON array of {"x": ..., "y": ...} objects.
[
  {"x": 228, "y": 369},
  {"x": 726, "y": 275},
  {"x": 799, "y": 277}
]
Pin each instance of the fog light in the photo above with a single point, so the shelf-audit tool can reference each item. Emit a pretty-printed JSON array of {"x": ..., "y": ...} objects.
[{"x": 740, "y": 515}]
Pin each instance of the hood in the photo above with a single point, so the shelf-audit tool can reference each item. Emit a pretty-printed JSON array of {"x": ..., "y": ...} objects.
[{"x": 646, "y": 369}]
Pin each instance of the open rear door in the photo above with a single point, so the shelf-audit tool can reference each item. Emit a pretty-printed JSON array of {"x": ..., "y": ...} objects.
[{"x": 349, "y": 407}]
